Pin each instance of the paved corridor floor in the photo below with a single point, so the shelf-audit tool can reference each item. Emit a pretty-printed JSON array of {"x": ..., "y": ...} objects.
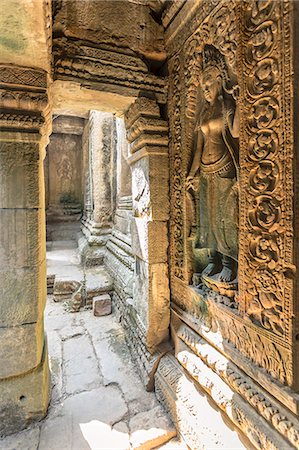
[{"x": 98, "y": 400}]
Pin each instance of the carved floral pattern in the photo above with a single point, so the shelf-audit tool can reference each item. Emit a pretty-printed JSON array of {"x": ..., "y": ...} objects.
[
  {"x": 264, "y": 69},
  {"x": 267, "y": 186}
]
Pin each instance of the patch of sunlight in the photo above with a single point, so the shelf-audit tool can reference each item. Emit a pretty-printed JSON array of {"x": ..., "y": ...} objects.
[{"x": 100, "y": 436}]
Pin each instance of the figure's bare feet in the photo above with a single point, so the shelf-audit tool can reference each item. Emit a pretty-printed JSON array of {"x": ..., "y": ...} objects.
[
  {"x": 210, "y": 270},
  {"x": 227, "y": 275}
]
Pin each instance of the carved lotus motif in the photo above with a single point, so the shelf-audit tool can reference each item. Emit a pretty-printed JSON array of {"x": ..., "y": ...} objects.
[
  {"x": 262, "y": 144},
  {"x": 264, "y": 249},
  {"x": 264, "y": 76},
  {"x": 264, "y": 177},
  {"x": 259, "y": 11},
  {"x": 265, "y": 214},
  {"x": 264, "y": 112}
]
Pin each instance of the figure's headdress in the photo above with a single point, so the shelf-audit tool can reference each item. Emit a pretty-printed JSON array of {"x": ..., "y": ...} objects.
[{"x": 212, "y": 58}]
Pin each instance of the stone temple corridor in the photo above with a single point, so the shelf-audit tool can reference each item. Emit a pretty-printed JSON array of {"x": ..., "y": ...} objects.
[
  {"x": 98, "y": 399},
  {"x": 149, "y": 224}
]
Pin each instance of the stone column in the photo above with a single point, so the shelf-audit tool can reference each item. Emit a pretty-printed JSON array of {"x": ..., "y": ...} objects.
[
  {"x": 147, "y": 134},
  {"x": 24, "y": 375},
  {"x": 97, "y": 225}
]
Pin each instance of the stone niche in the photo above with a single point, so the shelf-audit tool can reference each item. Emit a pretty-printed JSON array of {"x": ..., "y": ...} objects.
[
  {"x": 233, "y": 231},
  {"x": 63, "y": 178}
]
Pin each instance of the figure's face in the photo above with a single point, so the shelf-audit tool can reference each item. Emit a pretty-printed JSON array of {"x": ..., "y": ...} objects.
[{"x": 211, "y": 85}]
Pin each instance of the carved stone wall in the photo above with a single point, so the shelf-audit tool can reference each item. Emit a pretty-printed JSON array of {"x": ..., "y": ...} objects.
[
  {"x": 64, "y": 174},
  {"x": 255, "y": 329}
]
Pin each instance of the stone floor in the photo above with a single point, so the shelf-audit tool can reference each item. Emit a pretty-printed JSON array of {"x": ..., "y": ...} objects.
[
  {"x": 98, "y": 400},
  {"x": 63, "y": 266}
]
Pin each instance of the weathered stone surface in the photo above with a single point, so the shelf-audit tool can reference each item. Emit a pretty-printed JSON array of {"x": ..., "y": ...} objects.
[
  {"x": 151, "y": 293},
  {"x": 197, "y": 419},
  {"x": 102, "y": 144},
  {"x": 64, "y": 171},
  {"x": 116, "y": 364},
  {"x": 64, "y": 124},
  {"x": 150, "y": 429},
  {"x": 123, "y": 24},
  {"x": 25, "y": 440},
  {"x": 20, "y": 171},
  {"x": 149, "y": 240},
  {"x": 27, "y": 246},
  {"x": 24, "y": 30},
  {"x": 21, "y": 348},
  {"x": 24, "y": 399},
  {"x": 98, "y": 281},
  {"x": 65, "y": 286},
  {"x": 84, "y": 421},
  {"x": 68, "y": 96},
  {"x": 102, "y": 305},
  {"x": 23, "y": 295},
  {"x": 150, "y": 187},
  {"x": 80, "y": 366}
]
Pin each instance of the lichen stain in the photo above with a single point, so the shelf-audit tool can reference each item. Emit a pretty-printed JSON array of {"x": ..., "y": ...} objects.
[{"x": 13, "y": 22}]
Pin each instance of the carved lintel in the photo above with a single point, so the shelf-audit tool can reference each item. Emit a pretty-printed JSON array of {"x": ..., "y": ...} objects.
[
  {"x": 105, "y": 69},
  {"x": 23, "y": 99}
]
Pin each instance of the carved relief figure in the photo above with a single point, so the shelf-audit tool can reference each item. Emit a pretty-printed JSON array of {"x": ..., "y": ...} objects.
[{"x": 213, "y": 174}]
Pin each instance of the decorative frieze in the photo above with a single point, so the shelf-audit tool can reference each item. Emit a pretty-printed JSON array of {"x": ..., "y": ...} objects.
[
  {"x": 278, "y": 416},
  {"x": 23, "y": 98},
  {"x": 254, "y": 40},
  {"x": 105, "y": 68}
]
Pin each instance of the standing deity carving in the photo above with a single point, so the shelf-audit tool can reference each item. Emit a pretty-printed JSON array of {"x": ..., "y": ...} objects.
[{"x": 212, "y": 179}]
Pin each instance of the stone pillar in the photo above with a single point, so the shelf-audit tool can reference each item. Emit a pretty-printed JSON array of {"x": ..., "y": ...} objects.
[
  {"x": 147, "y": 134},
  {"x": 24, "y": 375},
  {"x": 119, "y": 259},
  {"x": 97, "y": 223}
]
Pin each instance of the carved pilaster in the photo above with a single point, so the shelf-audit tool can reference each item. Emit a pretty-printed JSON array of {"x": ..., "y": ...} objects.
[
  {"x": 24, "y": 122},
  {"x": 99, "y": 194},
  {"x": 147, "y": 135}
]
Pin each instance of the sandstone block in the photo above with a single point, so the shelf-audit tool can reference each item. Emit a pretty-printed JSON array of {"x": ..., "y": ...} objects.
[
  {"x": 23, "y": 295},
  {"x": 102, "y": 305},
  {"x": 150, "y": 429},
  {"x": 151, "y": 291},
  {"x": 150, "y": 189},
  {"x": 22, "y": 238},
  {"x": 149, "y": 240},
  {"x": 24, "y": 399},
  {"x": 21, "y": 348},
  {"x": 20, "y": 172}
]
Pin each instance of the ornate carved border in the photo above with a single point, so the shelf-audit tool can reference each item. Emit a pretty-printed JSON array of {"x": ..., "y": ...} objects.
[{"x": 266, "y": 237}]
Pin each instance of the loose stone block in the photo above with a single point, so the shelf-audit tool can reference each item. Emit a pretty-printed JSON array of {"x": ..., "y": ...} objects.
[
  {"x": 150, "y": 429},
  {"x": 24, "y": 399},
  {"x": 149, "y": 240},
  {"x": 21, "y": 348},
  {"x": 102, "y": 305}
]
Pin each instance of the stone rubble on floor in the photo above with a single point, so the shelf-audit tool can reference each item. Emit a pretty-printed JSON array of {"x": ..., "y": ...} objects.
[{"x": 98, "y": 400}]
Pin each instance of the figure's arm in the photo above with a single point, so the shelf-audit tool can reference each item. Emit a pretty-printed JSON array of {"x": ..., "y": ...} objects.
[
  {"x": 198, "y": 147},
  {"x": 233, "y": 122},
  {"x": 233, "y": 117}
]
